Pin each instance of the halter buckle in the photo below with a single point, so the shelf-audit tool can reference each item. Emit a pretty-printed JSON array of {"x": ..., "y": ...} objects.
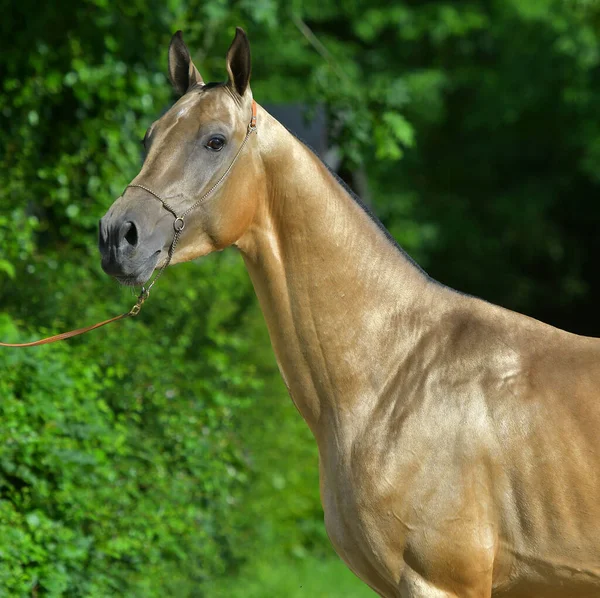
[
  {"x": 144, "y": 294},
  {"x": 252, "y": 124},
  {"x": 179, "y": 227}
]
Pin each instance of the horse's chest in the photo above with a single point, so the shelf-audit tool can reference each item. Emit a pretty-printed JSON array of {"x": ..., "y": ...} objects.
[{"x": 362, "y": 526}]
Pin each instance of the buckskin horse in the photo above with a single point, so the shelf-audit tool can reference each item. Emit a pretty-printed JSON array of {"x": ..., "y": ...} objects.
[{"x": 459, "y": 442}]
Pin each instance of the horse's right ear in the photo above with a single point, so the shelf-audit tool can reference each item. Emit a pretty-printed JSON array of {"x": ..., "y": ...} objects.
[{"x": 182, "y": 71}]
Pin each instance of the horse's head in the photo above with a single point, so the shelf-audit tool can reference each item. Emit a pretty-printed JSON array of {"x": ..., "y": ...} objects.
[{"x": 188, "y": 150}]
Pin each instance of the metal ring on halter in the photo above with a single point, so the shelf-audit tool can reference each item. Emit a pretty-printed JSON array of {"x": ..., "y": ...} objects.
[
  {"x": 178, "y": 227},
  {"x": 135, "y": 310}
]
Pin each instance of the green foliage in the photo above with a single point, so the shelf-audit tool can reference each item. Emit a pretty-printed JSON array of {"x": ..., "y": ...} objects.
[
  {"x": 110, "y": 468},
  {"x": 163, "y": 457},
  {"x": 271, "y": 575},
  {"x": 504, "y": 165}
]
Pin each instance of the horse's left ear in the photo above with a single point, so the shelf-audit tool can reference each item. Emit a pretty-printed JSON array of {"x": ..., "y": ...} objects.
[{"x": 238, "y": 62}]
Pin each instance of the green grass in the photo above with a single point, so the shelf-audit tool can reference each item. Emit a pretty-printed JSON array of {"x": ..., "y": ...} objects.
[{"x": 290, "y": 578}]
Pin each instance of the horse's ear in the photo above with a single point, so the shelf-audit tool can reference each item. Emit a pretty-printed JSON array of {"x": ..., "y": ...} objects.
[
  {"x": 238, "y": 62},
  {"x": 182, "y": 71}
]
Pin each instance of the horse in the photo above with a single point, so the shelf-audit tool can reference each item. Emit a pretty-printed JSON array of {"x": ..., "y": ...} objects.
[{"x": 459, "y": 442}]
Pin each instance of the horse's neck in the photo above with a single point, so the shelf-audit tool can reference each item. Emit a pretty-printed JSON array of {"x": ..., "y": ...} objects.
[{"x": 344, "y": 306}]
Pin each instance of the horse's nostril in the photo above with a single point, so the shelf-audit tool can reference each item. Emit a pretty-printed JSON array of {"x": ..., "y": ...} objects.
[{"x": 131, "y": 234}]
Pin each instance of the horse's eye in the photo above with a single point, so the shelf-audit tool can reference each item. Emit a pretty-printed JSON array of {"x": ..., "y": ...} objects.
[{"x": 216, "y": 144}]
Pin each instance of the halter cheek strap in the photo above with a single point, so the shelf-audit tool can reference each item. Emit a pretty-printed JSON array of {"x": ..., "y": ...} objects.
[{"x": 178, "y": 226}]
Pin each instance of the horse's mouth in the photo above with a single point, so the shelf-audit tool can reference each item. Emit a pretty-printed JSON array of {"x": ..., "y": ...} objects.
[
  {"x": 131, "y": 281},
  {"x": 142, "y": 275}
]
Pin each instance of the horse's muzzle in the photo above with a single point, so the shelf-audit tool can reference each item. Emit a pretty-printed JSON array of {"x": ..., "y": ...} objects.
[{"x": 130, "y": 243}]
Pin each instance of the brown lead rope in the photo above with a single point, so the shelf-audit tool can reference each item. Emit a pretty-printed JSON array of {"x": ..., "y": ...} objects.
[
  {"x": 178, "y": 226},
  {"x": 64, "y": 335}
]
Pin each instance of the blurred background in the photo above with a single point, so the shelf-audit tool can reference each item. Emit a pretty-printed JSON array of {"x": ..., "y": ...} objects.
[{"x": 162, "y": 456}]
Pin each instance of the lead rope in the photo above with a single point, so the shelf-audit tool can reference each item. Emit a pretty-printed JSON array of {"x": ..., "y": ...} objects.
[{"x": 178, "y": 226}]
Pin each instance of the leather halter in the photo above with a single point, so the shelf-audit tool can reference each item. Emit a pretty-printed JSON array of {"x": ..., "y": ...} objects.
[{"x": 178, "y": 226}]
